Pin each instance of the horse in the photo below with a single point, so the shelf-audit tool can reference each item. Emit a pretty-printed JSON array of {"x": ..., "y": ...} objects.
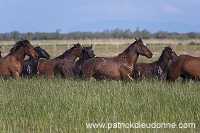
[
  {"x": 185, "y": 66},
  {"x": 11, "y": 64},
  {"x": 0, "y": 52},
  {"x": 68, "y": 69},
  {"x": 117, "y": 68},
  {"x": 30, "y": 65},
  {"x": 46, "y": 67},
  {"x": 157, "y": 69}
]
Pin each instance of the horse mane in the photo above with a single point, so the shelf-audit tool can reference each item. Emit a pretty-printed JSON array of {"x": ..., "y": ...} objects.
[
  {"x": 62, "y": 56},
  {"x": 18, "y": 45},
  {"x": 121, "y": 55}
]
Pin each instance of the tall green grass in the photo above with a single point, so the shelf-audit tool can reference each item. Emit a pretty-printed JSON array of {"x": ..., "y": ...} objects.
[{"x": 66, "y": 105}]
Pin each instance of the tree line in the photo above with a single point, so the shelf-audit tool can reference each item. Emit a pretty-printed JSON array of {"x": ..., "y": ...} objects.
[{"x": 115, "y": 34}]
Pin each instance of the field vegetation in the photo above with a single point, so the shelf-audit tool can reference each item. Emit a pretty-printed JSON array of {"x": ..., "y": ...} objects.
[{"x": 67, "y": 105}]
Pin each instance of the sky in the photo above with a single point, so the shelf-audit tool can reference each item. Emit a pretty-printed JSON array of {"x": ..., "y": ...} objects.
[{"x": 180, "y": 16}]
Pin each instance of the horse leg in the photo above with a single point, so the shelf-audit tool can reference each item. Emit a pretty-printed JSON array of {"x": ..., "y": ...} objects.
[
  {"x": 184, "y": 78},
  {"x": 15, "y": 74},
  {"x": 87, "y": 74},
  {"x": 126, "y": 76},
  {"x": 137, "y": 75}
]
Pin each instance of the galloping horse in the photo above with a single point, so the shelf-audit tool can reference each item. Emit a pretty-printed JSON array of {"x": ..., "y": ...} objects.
[
  {"x": 46, "y": 67},
  {"x": 11, "y": 65},
  {"x": 157, "y": 69},
  {"x": 119, "y": 67},
  {"x": 68, "y": 69},
  {"x": 185, "y": 66},
  {"x": 30, "y": 65}
]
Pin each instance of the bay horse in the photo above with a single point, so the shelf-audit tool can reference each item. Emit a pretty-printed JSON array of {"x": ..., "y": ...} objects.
[
  {"x": 30, "y": 65},
  {"x": 119, "y": 67},
  {"x": 185, "y": 66},
  {"x": 11, "y": 64},
  {"x": 69, "y": 69},
  {"x": 157, "y": 69},
  {"x": 46, "y": 67}
]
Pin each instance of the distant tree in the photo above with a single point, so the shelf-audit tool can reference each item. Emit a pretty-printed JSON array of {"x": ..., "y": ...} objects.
[
  {"x": 15, "y": 35},
  {"x": 161, "y": 35},
  {"x": 127, "y": 34},
  {"x": 192, "y": 35},
  {"x": 145, "y": 34},
  {"x": 137, "y": 33},
  {"x": 116, "y": 33}
]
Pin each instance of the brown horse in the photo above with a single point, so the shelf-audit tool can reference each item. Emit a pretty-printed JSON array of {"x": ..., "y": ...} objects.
[
  {"x": 185, "y": 66},
  {"x": 46, "y": 67},
  {"x": 11, "y": 65},
  {"x": 119, "y": 67},
  {"x": 157, "y": 69},
  {"x": 68, "y": 69}
]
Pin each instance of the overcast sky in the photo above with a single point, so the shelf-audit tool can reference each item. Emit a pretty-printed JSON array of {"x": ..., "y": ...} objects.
[{"x": 83, "y": 15}]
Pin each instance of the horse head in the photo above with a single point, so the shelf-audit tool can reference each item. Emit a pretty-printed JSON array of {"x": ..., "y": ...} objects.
[
  {"x": 142, "y": 48},
  {"x": 87, "y": 53},
  {"x": 42, "y": 53},
  {"x": 26, "y": 47},
  {"x": 78, "y": 48},
  {"x": 169, "y": 53}
]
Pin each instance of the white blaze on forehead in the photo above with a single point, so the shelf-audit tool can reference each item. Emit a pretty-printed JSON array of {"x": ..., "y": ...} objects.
[
  {"x": 172, "y": 50},
  {"x": 144, "y": 44}
]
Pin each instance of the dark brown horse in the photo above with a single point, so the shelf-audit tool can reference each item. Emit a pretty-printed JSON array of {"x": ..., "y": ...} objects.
[
  {"x": 157, "y": 69},
  {"x": 185, "y": 66},
  {"x": 119, "y": 67},
  {"x": 68, "y": 69},
  {"x": 0, "y": 52},
  {"x": 46, "y": 67},
  {"x": 11, "y": 65}
]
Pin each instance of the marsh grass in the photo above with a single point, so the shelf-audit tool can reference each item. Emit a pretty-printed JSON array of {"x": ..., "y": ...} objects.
[{"x": 60, "y": 105}]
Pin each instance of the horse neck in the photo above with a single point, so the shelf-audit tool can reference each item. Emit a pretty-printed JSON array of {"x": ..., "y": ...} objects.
[
  {"x": 19, "y": 55},
  {"x": 130, "y": 57},
  {"x": 71, "y": 57},
  {"x": 68, "y": 55},
  {"x": 163, "y": 61}
]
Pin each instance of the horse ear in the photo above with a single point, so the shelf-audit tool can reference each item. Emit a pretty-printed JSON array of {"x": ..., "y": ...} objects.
[
  {"x": 140, "y": 39},
  {"x": 135, "y": 38},
  {"x": 91, "y": 46}
]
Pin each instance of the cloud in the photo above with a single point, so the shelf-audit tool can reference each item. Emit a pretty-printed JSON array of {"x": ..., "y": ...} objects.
[{"x": 168, "y": 9}]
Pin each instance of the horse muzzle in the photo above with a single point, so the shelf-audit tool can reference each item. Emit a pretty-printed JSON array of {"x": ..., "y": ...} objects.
[{"x": 150, "y": 55}]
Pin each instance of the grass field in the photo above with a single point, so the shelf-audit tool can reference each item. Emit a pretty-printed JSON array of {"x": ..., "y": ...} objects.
[
  {"x": 40, "y": 105},
  {"x": 58, "y": 105}
]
